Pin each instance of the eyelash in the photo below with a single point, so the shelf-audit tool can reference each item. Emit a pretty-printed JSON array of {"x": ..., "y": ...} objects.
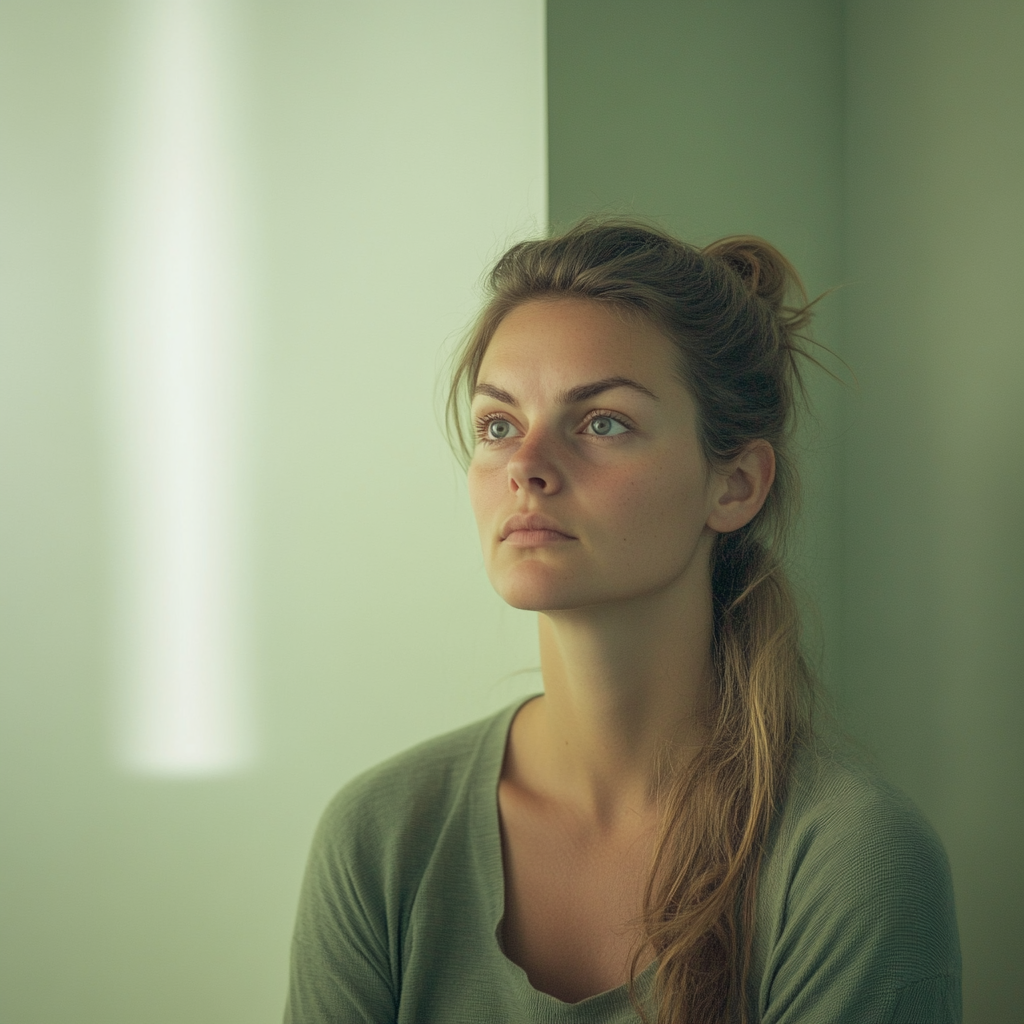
[{"x": 482, "y": 421}]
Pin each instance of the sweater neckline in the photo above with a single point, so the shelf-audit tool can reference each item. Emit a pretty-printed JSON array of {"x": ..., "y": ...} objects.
[{"x": 496, "y": 745}]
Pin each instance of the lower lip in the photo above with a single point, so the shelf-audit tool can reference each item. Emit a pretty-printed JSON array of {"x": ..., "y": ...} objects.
[{"x": 535, "y": 538}]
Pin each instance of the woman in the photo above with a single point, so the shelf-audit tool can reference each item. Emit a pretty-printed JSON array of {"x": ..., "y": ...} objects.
[{"x": 658, "y": 835}]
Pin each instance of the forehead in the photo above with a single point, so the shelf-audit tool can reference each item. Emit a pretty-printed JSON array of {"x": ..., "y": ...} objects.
[{"x": 563, "y": 341}]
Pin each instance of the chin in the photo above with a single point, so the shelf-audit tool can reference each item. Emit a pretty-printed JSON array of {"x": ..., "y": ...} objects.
[
  {"x": 531, "y": 589},
  {"x": 535, "y": 587},
  {"x": 526, "y": 602}
]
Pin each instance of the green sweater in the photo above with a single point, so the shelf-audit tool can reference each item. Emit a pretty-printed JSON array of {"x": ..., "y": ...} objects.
[{"x": 404, "y": 891}]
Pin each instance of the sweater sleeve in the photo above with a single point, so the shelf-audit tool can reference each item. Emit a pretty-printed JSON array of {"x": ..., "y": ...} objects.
[
  {"x": 868, "y": 930},
  {"x": 340, "y": 961}
]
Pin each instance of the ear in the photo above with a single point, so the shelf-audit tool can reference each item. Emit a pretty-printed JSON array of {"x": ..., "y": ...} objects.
[{"x": 739, "y": 488}]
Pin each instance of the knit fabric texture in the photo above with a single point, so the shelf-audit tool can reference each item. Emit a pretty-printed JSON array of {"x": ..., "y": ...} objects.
[{"x": 403, "y": 896}]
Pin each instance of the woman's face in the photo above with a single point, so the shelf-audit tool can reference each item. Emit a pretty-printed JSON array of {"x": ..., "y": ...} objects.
[{"x": 583, "y": 425}]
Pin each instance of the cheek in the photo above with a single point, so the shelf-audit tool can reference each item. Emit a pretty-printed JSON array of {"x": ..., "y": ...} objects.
[
  {"x": 473, "y": 486},
  {"x": 481, "y": 485},
  {"x": 658, "y": 510}
]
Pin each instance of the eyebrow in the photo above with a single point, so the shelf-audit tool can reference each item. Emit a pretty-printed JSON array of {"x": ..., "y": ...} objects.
[{"x": 580, "y": 393}]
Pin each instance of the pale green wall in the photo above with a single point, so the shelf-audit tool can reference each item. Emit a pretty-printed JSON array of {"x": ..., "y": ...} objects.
[
  {"x": 880, "y": 146},
  {"x": 388, "y": 162}
]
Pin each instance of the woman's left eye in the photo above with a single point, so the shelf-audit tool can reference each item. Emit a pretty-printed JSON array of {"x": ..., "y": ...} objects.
[{"x": 606, "y": 426}]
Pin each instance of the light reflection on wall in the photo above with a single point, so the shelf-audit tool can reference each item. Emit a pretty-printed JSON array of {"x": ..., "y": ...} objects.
[{"x": 175, "y": 314}]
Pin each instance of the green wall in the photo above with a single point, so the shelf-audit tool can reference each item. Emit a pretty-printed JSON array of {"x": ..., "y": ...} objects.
[
  {"x": 933, "y": 479},
  {"x": 880, "y": 146},
  {"x": 718, "y": 118}
]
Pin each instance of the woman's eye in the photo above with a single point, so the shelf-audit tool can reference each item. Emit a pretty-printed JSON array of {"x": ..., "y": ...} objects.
[
  {"x": 498, "y": 430},
  {"x": 604, "y": 426}
]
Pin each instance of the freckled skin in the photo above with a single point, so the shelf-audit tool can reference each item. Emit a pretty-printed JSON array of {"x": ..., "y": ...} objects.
[{"x": 638, "y": 501}]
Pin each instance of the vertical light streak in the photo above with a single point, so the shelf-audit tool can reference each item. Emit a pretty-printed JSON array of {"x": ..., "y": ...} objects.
[{"x": 175, "y": 374}]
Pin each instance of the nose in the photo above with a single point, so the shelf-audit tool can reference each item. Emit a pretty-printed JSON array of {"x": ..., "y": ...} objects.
[{"x": 532, "y": 468}]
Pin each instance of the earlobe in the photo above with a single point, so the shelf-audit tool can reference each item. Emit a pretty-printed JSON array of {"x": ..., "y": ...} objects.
[{"x": 742, "y": 487}]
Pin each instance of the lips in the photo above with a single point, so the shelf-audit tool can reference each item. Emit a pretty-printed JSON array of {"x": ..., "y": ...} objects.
[{"x": 533, "y": 521}]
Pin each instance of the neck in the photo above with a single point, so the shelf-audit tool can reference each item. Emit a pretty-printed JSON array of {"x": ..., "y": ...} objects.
[{"x": 623, "y": 686}]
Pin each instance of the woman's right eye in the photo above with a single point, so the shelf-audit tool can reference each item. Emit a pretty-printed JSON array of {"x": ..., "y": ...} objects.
[
  {"x": 499, "y": 429},
  {"x": 494, "y": 428}
]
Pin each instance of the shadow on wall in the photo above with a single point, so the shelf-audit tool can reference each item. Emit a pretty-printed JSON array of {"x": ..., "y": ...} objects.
[{"x": 879, "y": 146}]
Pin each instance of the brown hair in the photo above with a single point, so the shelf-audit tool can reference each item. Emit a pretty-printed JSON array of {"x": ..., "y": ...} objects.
[{"x": 727, "y": 309}]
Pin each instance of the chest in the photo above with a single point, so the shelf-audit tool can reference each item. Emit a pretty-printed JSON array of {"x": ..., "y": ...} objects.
[{"x": 572, "y": 901}]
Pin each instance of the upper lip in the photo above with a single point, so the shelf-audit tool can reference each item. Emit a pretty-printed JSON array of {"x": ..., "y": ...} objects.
[{"x": 533, "y": 521}]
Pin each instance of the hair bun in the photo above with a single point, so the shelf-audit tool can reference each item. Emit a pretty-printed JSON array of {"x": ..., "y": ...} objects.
[{"x": 764, "y": 271}]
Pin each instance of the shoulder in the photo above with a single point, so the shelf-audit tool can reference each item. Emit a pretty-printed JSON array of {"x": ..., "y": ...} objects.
[
  {"x": 841, "y": 811},
  {"x": 390, "y": 815},
  {"x": 430, "y": 768},
  {"x": 856, "y": 874},
  {"x": 374, "y": 843},
  {"x": 380, "y": 833}
]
